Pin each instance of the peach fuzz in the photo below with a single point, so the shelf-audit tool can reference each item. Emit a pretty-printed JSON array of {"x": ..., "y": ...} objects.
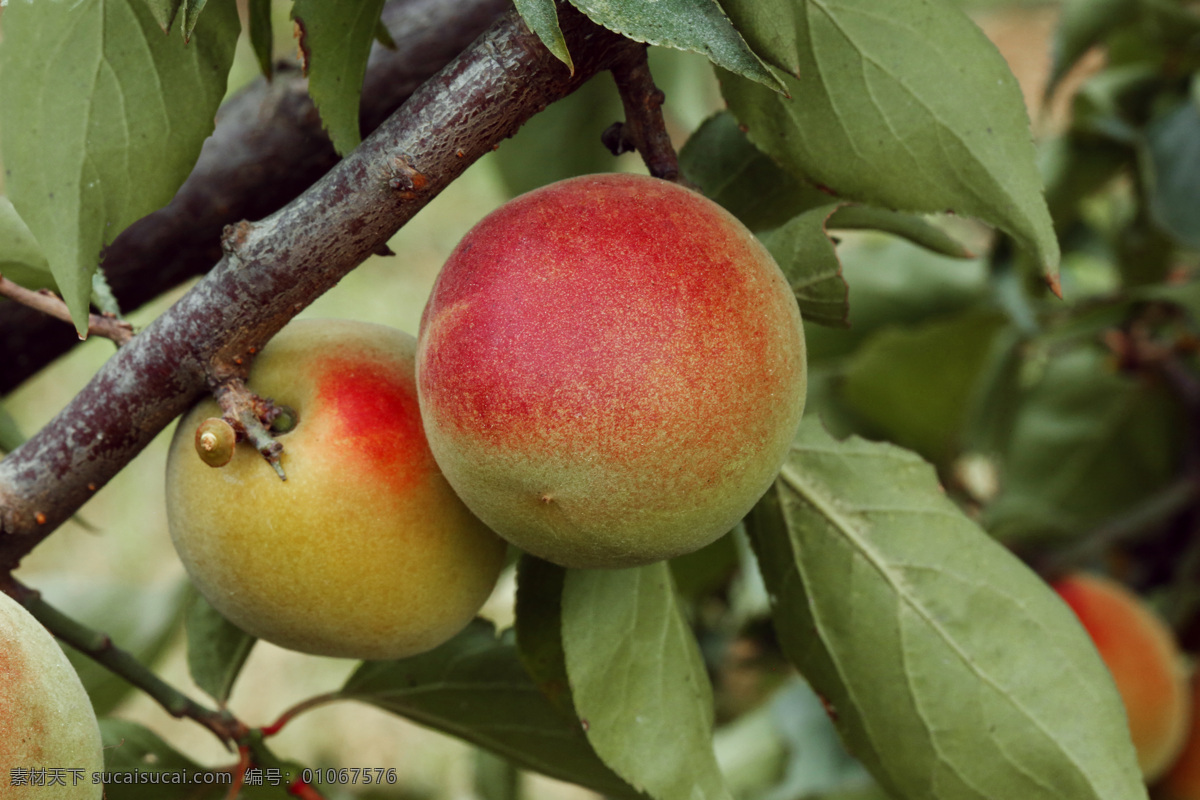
[
  {"x": 611, "y": 370},
  {"x": 1141, "y": 654},
  {"x": 46, "y": 718},
  {"x": 365, "y": 551}
]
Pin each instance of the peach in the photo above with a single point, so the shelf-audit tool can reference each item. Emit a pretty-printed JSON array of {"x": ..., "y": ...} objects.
[
  {"x": 1182, "y": 781},
  {"x": 47, "y": 726},
  {"x": 611, "y": 370},
  {"x": 1141, "y": 653},
  {"x": 364, "y": 551}
]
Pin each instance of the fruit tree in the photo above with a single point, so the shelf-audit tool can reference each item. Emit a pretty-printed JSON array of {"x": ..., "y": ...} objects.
[{"x": 787, "y": 357}]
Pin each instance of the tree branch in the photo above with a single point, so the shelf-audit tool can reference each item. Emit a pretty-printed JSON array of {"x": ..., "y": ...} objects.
[
  {"x": 268, "y": 147},
  {"x": 274, "y": 268},
  {"x": 644, "y": 129},
  {"x": 52, "y": 305},
  {"x": 100, "y": 648}
]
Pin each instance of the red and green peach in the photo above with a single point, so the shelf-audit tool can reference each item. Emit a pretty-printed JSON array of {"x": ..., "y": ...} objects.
[{"x": 611, "y": 370}]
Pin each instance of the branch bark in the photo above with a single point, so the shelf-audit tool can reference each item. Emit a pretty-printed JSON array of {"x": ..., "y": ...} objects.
[
  {"x": 274, "y": 268},
  {"x": 268, "y": 147}
]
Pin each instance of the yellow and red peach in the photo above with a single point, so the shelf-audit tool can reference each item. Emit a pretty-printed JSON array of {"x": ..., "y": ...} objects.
[
  {"x": 46, "y": 718},
  {"x": 364, "y": 551},
  {"x": 611, "y": 370},
  {"x": 1141, "y": 653}
]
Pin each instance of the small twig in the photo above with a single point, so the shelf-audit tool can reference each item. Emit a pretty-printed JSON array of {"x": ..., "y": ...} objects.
[
  {"x": 239, "y": 772},
  {"x": 644, "y": 128},
  {"x": 298, "y": 709},
  {"x": 47, "y": 302},
  {"x": 100, "y": 648},
  {"x": 250, "y": 415}
]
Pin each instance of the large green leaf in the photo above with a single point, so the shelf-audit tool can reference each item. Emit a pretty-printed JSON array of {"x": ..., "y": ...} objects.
[
  {"x": 11, "y": 435},
  {"x": 542, "y": 18},
  {"x": 475, "y": 687},
  {"x": 1171, "y": 160},
  {"x": 698, "y": 26},
  {"x": 904, "y": 105},
  {"x": 769, "y": 27},
  {"x": 539, "y": 629},
  {"x": 21, "y": 257},
  {"x": 101, "y": 120},
  {"x": 1087, "y": 443},
  {"x": 335, "y": 38},
  {"x": 638, "y": 681},
  {"x": 216, "y": 649},
  {"x": 915, "y": 384},
  {"x": 951, "y": 670},
  {"x": 810, "y": 262},
  {"x": 167, "y": 774},
  {"x": 731, "y": 171},
  {"x": 131, "y": 748}
]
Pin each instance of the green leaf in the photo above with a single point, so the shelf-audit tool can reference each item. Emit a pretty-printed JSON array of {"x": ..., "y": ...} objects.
[
  {"x": 191, "y": 16},
  {"x": 915, "y": 385},
  {"x": 335, "y": 37},
  {"x": 731, "y": 171},
  {"x": 734, "y": 173},
  {"x": 539, "y": 630},
  {"x": 474, "y": 687},
  {"x": 21, "y": 257},
  {"x": 132, "y": 748},
  {"x": 951, "y": 670},
  {"x": 216, "y": 649},
  {"x": 1087, "y": 444},
  {"x": 164, "y": 12},
  {"x": 639, "y": 682},
  {"x": 906, "y": 226},
  {"x": 261, "y": 35},
  {"x": 101, "y": 119},
  {"x": 697, "y": 26},
  {"x": 11, "y": 436},
  {"x": 810, "y": 263},
  {"x": 1083, "y": 24},
  {"x": 542, "y": 18},
  {"x": 770, "y": 28},
  {"x": 1171, "y": 156},
  {"x": 904, "y": 105}
]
